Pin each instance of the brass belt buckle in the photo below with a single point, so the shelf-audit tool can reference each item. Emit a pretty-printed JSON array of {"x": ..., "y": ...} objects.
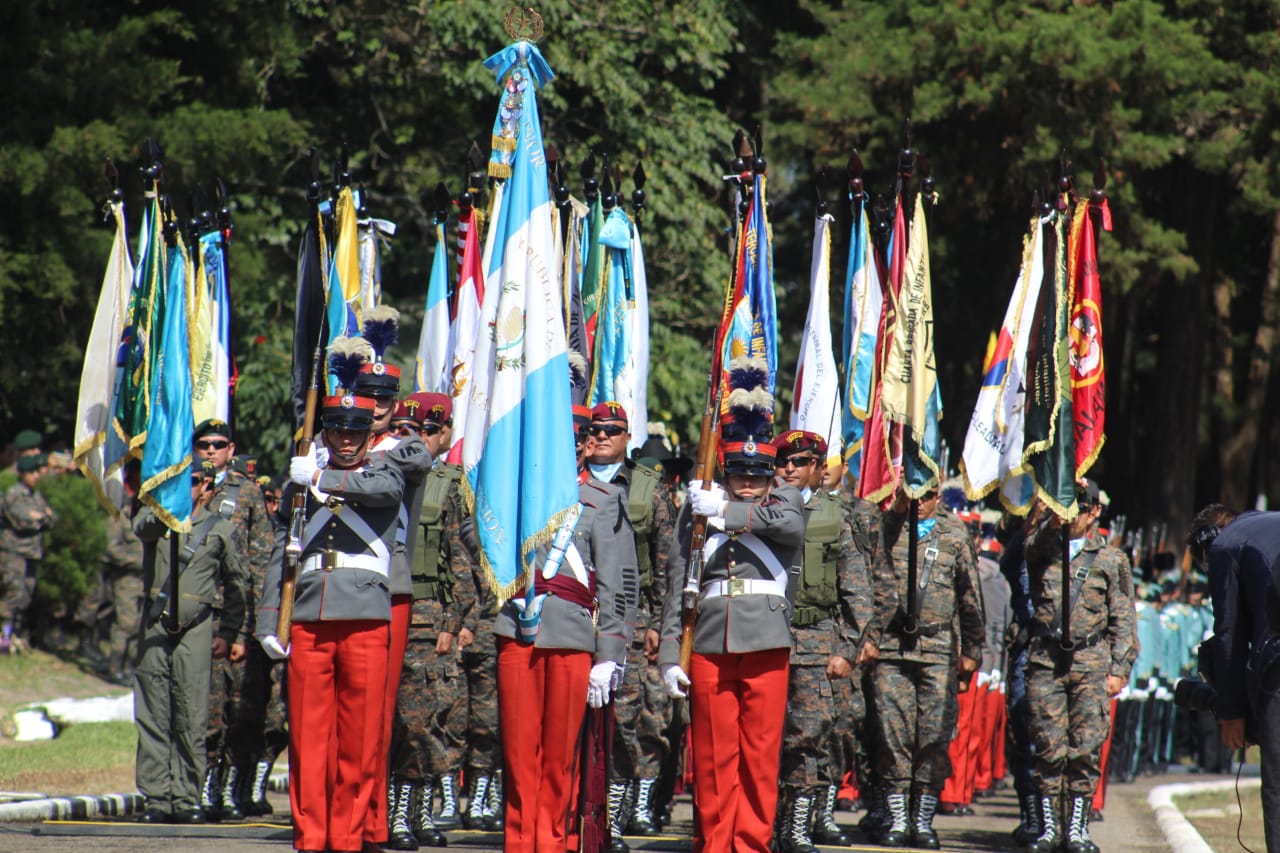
[
  {"x": 737, "y": 587},
  {"x": 330, "y": 560}
]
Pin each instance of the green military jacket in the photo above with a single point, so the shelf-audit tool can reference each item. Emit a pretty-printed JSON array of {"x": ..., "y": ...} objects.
[{"x": 24, "y": 517}]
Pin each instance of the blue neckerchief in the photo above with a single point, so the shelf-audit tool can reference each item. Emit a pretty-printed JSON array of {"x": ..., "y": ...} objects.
[
  {"x": 219, "y": 477},
  {"x": 1076, "y": 546},
  {"x": 604, "y": 473},
  {"x": 925, "y": 527},
  {"x": 807, "y": 492}
]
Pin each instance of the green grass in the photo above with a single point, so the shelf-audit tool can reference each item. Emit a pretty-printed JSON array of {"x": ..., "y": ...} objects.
[
  {"x": 1216, "y": 816},
  {"x": 86, "y": 758}
]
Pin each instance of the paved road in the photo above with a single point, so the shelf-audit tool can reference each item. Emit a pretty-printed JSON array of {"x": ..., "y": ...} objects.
[{"x": 1129, "y": 826}]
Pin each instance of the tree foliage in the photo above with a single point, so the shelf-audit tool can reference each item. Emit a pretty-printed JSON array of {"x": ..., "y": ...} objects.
[{"x": 1173, "y": 100}]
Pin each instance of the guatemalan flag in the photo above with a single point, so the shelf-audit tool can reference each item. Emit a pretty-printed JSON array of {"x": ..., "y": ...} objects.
[
  {"x": 863, "y": 305},
  {"x": 816, "y": 401},
  {"x": 518, "y": 454},
  {"x": 434, "y": 354},
  {"x": 993, "y": 446}
]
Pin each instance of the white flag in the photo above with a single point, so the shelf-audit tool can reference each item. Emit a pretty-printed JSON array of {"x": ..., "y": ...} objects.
[
  {"x": 815, "y": 405},
  {"x": 993, "y": 446},
  {"x": 98, "y": 378}
]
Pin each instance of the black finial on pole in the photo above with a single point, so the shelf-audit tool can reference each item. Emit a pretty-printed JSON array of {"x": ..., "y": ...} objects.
[
  {"x": 820, "y": 187},
  {"x": 758, "y": 163},
  {"x": 442, "y": 200},
  {"x": 112, "y": 175},
  {"x": 741, "y": 152},
  {"x": 638, "y": 177},
  {"x": 152, "y": 167},
  {"x": 315, "y": 189},
  {"x": 590, "y": 184}
]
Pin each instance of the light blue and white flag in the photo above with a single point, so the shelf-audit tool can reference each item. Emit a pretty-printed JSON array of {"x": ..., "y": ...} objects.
[
  {"x": 435, "y": 360},
  {"x": 611, "y": 362},
  {"x": 863, "y": 305},
  {"x": 518, "y": 454},
  {"x": 166, "y": 458}
]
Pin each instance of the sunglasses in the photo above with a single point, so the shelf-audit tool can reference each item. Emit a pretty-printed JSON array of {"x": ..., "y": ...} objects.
[
  {"x": 271, "y": 499},
  {"x": 797, "y": 461},
  {"x": 403, "y": 430},
  {"x": 432, "y": 429},
  {"x": 611, "y": 430},
  {"x": 212, "y": 445}
]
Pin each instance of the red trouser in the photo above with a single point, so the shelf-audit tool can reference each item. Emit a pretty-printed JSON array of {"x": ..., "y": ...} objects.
[
  {"x": 1000, "y": 767},
  {"x": 1100, "y": 793},
  {"x": 375, "y": 828},
  {"x": 737, "y": 707},
  {"x": 979, "y": 740},
  {"x": 542, "y": 698},
  {"x": 956, "y": 789},
  {"x": 337, "y": 683}
]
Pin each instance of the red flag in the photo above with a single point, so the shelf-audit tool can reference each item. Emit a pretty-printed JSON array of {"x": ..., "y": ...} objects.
[
  {"x": 882, "y": 440},
  {"x": 1088, "y": 375}
]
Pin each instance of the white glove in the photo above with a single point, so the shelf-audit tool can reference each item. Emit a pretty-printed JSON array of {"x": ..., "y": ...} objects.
[
  {"x": 520, "y": 601},
  {"x": 271, "y": 645},
  {"x": 322, "y": 455},
  {"x": 599, "y": 683},
  {"x": 303, "y": 468},
  {"x": 983, "y": 678},
  {"x": 707, "y": 502},
  {"x": 674, "y": 681}
]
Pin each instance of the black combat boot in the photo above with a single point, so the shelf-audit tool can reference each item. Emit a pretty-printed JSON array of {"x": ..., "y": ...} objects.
[
  {"x": 211, "y": 792},
  {"x": 876, "y": 820},
  {"x": 618, "y": 796},
  {"x": 473, "y": 817},
  {"x": 899, "y": 830},
  {"x": 449, "y": 817},
  {"x": 641, "y": 822},
  {"x": 493, "y": 815},
  {"x": 1078, "y": 840},
  {"x": 426, "y": 830},
  {"x": 825, "y": 828},
  {"x": 1029, "y": 829},
  {"x": 793, "y": 833},
  {"x": 922, "y": 834},
  {"x": 254, "y": 803},
  {"x": 399, "y": 806},
  {"x": 1049, "y": 837},
  {"x": 230, "y": 793}
]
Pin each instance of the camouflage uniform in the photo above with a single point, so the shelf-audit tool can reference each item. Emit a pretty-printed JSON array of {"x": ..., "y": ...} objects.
[
  {"x": 1066, "y": 691},
  {"x": 832, "y": 607},
  {"x": 237, "y": 699},
  {"x": 915, "y": 678},
  {"x": 429, "y": 726},
  {"x": 122, "y": 574},
  {"x": 480, "y": 667},
  {"x": 641, "y": 708},
  {"x": 24, "y": 516}
]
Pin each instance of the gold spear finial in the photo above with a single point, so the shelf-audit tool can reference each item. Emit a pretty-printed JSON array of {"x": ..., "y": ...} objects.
[{"x": 523, "y": 24}]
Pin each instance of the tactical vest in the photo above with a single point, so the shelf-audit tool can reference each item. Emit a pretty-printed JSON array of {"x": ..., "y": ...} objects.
[
  {"x": 428, "y": 572},
  {"x": 644, "y": 483},
  {"x": 817, "y": 597}
]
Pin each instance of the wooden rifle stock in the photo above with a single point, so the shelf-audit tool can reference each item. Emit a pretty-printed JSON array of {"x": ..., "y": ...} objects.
[
  {"x": 297, "y": 516},
  {"x": 708, "y": 446}
]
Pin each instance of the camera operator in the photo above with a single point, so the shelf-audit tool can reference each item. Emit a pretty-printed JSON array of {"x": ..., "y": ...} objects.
[{"x": 1240, "y": 550}]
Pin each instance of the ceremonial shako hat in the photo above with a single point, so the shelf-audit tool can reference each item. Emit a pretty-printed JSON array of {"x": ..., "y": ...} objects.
[
  {"x": 381, "y": 329},
  {"x": 609, "y": 411},
  {"x": 581, "y": 417},
  {"x": 345, "y": 409},
  {"x": 425, "y": 407},
  {"x": 28, "y": 439},
  {"x": 800, "y": 441},
  {"x": 211, "y": 426},
  {"x": 747, "y": 426}
]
